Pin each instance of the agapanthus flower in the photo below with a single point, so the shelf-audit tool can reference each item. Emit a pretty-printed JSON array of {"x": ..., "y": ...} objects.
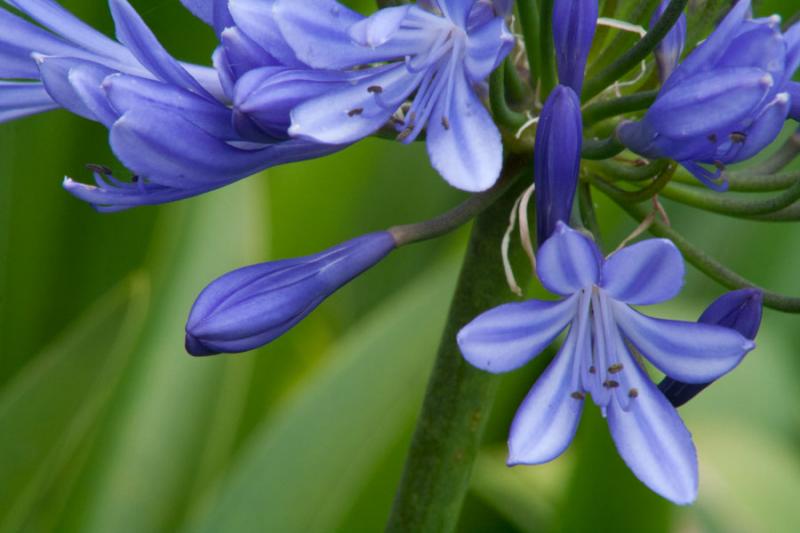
[
  {"x": 669, "y": 50},
  {"x": 169, "y": 122},
  {"x": 599, "y": 356},
  {"x": 726, "y": 101},
  {"x": 740, "y": 310},
  {"x": 557, "y": 159},
  {"x": 574, "y": 25},
  {"x": 435, "y": 54},
  {"x": 254, "y": 305}
]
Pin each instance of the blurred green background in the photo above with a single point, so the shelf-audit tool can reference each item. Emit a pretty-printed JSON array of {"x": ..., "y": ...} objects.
[{"x": 106, "y": 425}]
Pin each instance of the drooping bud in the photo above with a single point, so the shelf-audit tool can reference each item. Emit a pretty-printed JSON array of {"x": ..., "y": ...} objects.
[
  {"x": 574, "y": 25},
  {"x": 669, "y": 50},
  {"x": 739, "y": 310},
  {"x": 252, "y": 306},
  {"x": 556, "y": 161}
]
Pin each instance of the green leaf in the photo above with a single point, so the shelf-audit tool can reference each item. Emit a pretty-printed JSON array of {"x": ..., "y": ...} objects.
[
  {"x": 302, "y": 470},
  {"x": 49, "y": 408}
]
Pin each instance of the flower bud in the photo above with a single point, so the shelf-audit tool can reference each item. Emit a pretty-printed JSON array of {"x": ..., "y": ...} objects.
[
  {"x": 556, "y": 161},
  {"x": 574, "y": 24},
  {"x": 669, "y": 50},
  {"x": 253, "y": 306},
  {"x": 738, "y": 310}
]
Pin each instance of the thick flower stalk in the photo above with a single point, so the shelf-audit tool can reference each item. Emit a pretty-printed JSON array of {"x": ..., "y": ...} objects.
[
  {"x": 436, "y": 54},
  {"x": 254, "y": 305},
  {"x": 740, "y": 310},
  {"x": 725, "y": 102},
  {"x": 596, "y": 357}
]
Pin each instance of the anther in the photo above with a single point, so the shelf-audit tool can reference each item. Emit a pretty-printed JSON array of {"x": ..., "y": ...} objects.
[
  {"x": 592, "y": 370},
  {"x": 719, "y": 164},
  {"x": 445, "y": 123},
  {"x": 615, "y": 368},
  {"x": 405, "y": 133},
  {"x": 610, "y": 384},
  {"x": 375, "y": 89},
  {"x": 355, "y": 112},
  {"x": 99, "y": 169},
  {"x": 578, "y": 395},
  {"x": 633, "y": 393},
  {"x": 713, "y": 138},
  {"x": 738, "y": 137}
]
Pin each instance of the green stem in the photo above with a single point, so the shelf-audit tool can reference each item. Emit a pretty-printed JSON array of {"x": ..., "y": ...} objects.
[
  {"x": 547, "y": 57},
  {"x": 614, "y": 171},
  {"x": 726, "y": 205},
  {"x": 627, "y": 61},
  {"x": 745, "y": 181},
  {"x": 780, "y": 159},
  {"x": 702, "y": 261},
  {"x": 602, "y": 110},
  {"x": 459, "y": 396},
  {"x": 515, "y": 88},
  {"x": 587, "y": 211},
  {"x": 601, "y": 148},
  {"x": 503, "y": 115},
  {"x": 529, "y": 23},
  {"x": 646, "y": 193}
]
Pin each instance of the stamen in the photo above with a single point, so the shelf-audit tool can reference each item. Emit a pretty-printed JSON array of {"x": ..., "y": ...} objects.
[
  {"x": 738, "y": 137},
  {"x": 615, "y": 368},
  {"x": 592, "y": 370},
  {"x": 633, "y": 393},
  {"x": 99, "y": 169},
  {"x": 713, "y": 138},
  {"x": 355, "y": 112},
  {"x": 610, "y": 384},
  {"x": 446, "y": 123},
  {"x": 578, "y": 395},
  {"x": 375, "y": 89},
  {"x": 405, "y": 133}
]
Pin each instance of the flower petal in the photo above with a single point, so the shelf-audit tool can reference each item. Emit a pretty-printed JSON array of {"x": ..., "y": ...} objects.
[
  {"x": 645, "y": 273},
  {"x": 548, "y": 417},
  {"x": 652, "y": 439},
  {"x": 463, "y": 142},
  {"x": 687, "y": 351},
  {"x": 487, "y": 47},
  {"x": 568, "y": 261},
  {"x": 21, "y": 99},
  {"x": 507, "y": 337}
]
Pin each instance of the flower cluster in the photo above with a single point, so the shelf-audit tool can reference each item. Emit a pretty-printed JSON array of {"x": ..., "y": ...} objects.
[{"x": 293, "y": 80}]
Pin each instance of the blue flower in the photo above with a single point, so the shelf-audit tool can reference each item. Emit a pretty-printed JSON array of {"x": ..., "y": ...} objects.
[
  {"x": 169, "y": 122},
  {"x": 557, "y": 159},
  {"x": 597, "y": 358},
  {"x": 725, "y": 102},
  {"x": 253, "y": 306},
  {"x": 669, "y": 50},
  {"x": 574, "y": 25},
  {"x": 438, "y": 58},
  {"x": 739, "y": 310}
]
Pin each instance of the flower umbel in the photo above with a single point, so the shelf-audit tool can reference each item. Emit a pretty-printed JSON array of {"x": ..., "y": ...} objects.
[{"x": 598, "y": 356}]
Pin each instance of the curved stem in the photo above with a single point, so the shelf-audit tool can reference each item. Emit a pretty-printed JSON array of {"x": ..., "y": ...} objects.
[
  {"x": 601, "y": 148},
  {"x": 614, "y": 171},
  {"x": 744, "y": 181},
  {"x": 459, "y": 397},
  {"x": 598, "y": 111},
  {"x": 653, "y": 188},
  {"x": 702, "y": 261},
  {"x": 463, "y": 213},
  {"x": 780, "y": 159},
  {"x": 529, "y": 23},
  {"x": 627, "y": 61},
  {"x": 504, "y": 115},
  {"x": 547, "y": 58},
  {"x": 733, "y": 207}
]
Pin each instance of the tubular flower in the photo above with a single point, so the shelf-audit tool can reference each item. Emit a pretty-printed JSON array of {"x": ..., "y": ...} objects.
[
  {"x": 557, "y": 158},
  {"x": 725, "y": 102},
  {"x": 168, "y": 121},
  {"x": 253, "y": 306},
  {"x": 597, "y": 359},
  {"x": 574, "y": 25},
  {"x": 739, "y": 310},
  {"x": 437, "y": 54},
  {"x": 669, "y": 50}
]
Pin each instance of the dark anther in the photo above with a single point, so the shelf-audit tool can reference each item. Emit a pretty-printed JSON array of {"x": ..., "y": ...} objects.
[
  {"x": 610, "y": 384},
  {"x": 615, "y": 368},
  {"x": 405, "y": 133},
  {"x": 99, "y": 169},
  {"x": 719, "y": 164},
  {"x": 355, "y": 112},
  {"x": 578, "y": 395},
  {"x": 135, "y": 179},
  {"x": 738, "y": 137},
  {"x": 445, "y": 123},
  {"x": 592, "y": 370},
  {"x": 633, "y": 393},
  {"x": 375, "y": 89},
  {"x": 713, "y": 138}
]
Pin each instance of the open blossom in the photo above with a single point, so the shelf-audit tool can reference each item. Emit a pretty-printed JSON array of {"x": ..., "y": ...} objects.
[
  {"x": 435, "y": 54},
  {"x": 740, "y": 310},
  {"x": 726, "y": 101},
  {"x": 168, "y": 121},
  {"x": 254, "y": 305},
  {"x": 596, "y": 357}
]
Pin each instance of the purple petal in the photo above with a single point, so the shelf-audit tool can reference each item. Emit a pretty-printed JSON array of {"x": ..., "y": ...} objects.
[
  {"x": 508, "y": 337},
  {"x": 379, "y": 28},
  {"x": 22, "y": 99},
  {"x": 56, "y": 73},
  {"x": 487, "y": 47},
  {"x": 652, "y": 439},
  {"x": 645, "y": 273},
  {"x": 669, "y": 50},
  {"x": 463, "y": 142},
  {"x": 256, "y": 20},
  {"x": 568, "y": 261},
  {"x": 548, "y": 417},
  {"x": 457, "y": 10},
  {"x": 574, "y": 24},
  {"x": 687, "y": 351},
  {"x": 766, "y": 127}
]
